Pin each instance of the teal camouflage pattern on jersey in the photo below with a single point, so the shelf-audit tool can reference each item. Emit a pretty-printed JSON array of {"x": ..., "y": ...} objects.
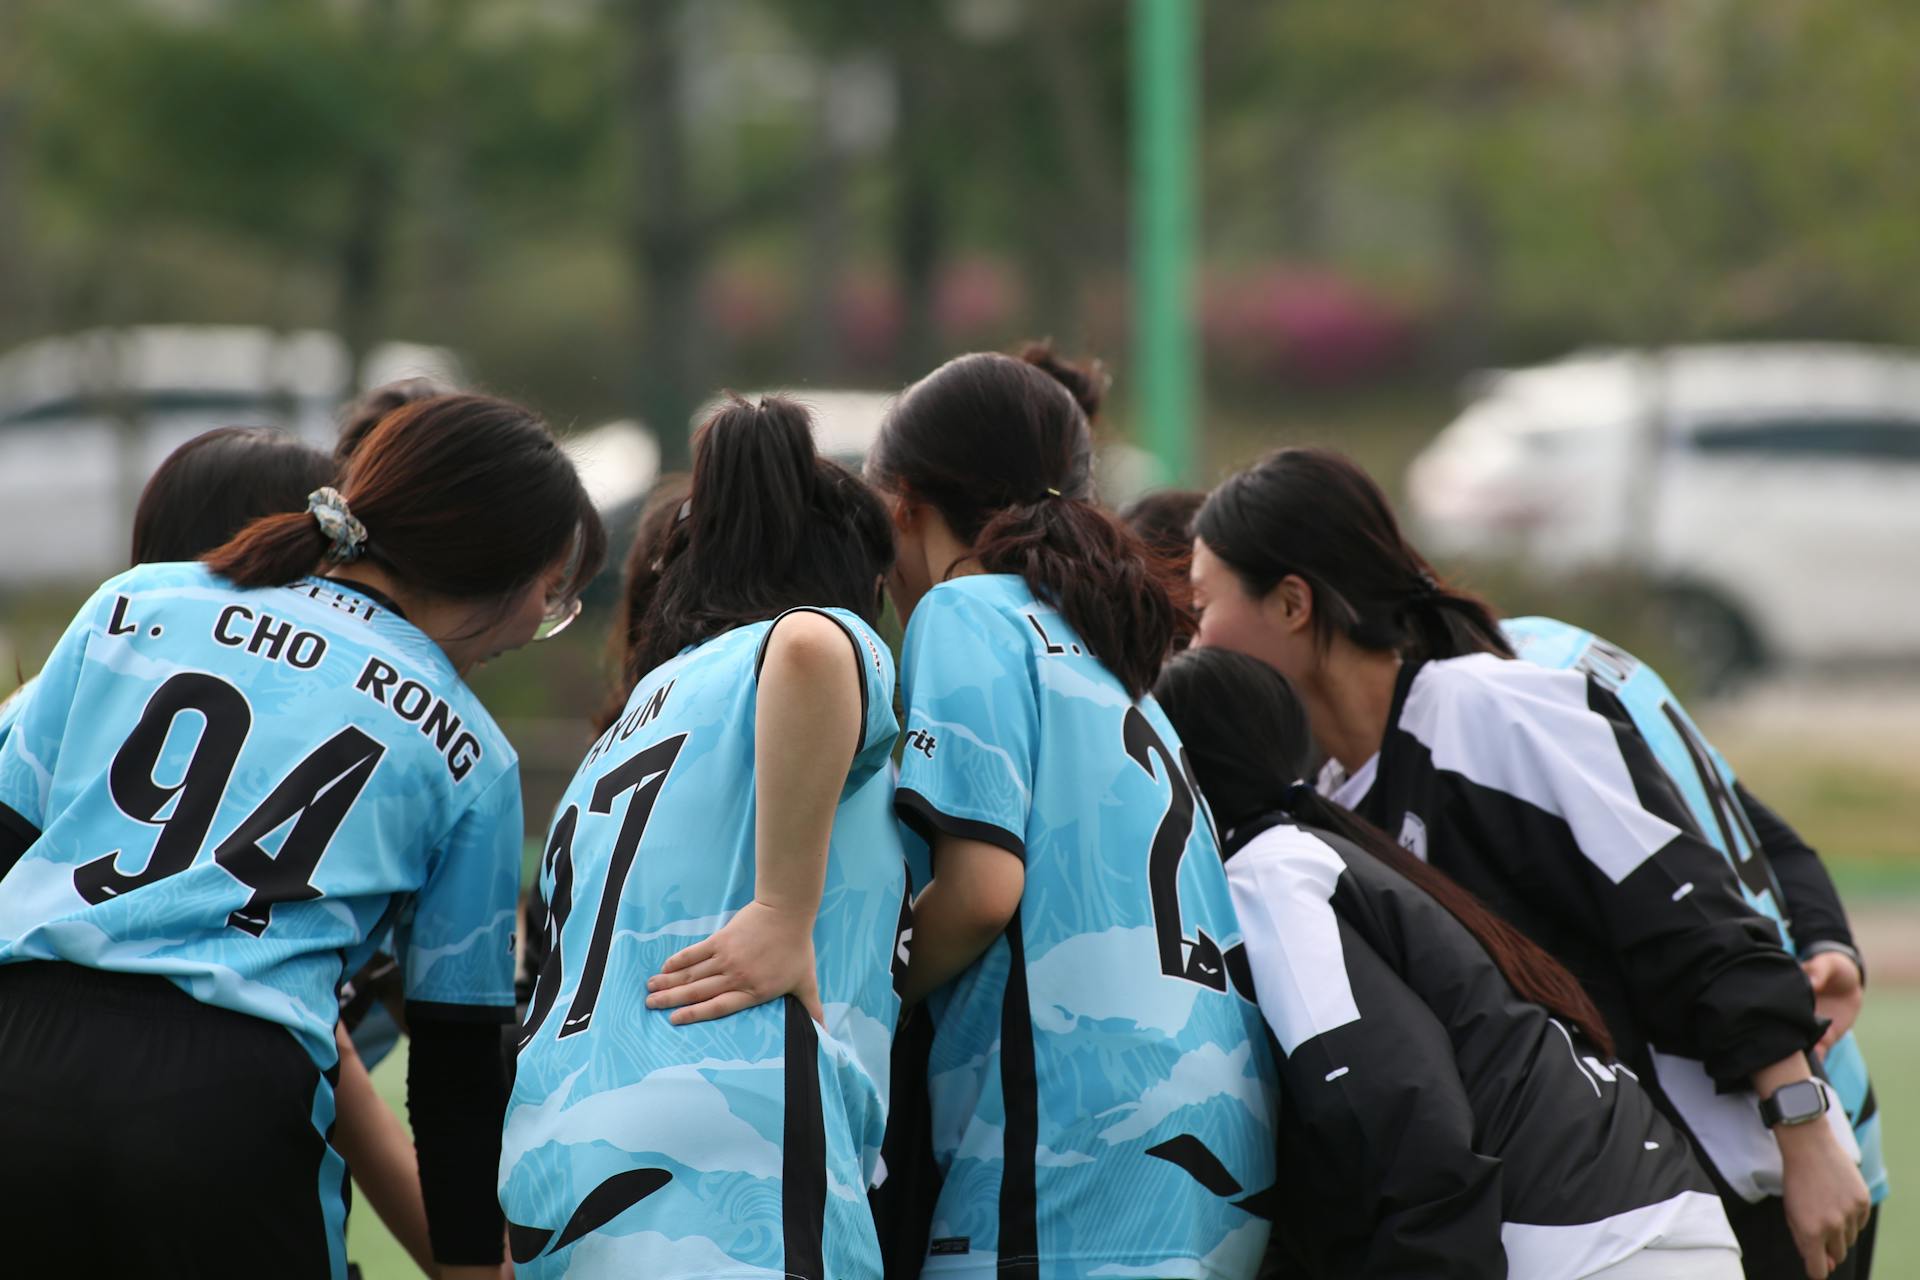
[
  {"x": 1102, "y": 1091},
  {"x": 740, "y": 1147},
  {"x": 240, "y": 789}
]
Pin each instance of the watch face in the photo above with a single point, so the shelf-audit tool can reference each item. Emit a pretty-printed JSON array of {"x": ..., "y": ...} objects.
[{"x": 1799, "y": 1102}]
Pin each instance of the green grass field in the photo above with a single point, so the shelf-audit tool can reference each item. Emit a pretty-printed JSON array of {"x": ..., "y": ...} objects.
[{"x": 1889, "y": 1031}]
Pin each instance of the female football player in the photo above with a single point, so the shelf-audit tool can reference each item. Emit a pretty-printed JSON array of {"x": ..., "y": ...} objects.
[
  {"x": 1531, "y": 788},
  {"x": 726, "y": 848},
  {"x": 1780, "y": 876},
  {"x": 1100, "y": 1092},
  {"x": 1450, "y": 1104},
  {"x": 231, "y": 778}
]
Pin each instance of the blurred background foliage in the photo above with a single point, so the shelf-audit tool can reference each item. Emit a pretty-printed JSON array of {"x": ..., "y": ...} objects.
[{"x": 610, "y": 208}]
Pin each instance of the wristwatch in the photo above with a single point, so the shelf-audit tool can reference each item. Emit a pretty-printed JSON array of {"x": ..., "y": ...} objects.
[{"x": 1801, "y": 1102}]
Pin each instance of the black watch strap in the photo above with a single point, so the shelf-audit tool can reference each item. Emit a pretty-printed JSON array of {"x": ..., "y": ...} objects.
[{"x": 1801, "y": 1102}]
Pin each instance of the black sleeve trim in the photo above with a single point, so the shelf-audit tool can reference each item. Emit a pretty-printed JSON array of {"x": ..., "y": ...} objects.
[
  {"x": 1812, "y": 905},
  {"x": 486, "y": 1014},
  {"x": 919, "y": 813},
  {"x": 457, "y": 1100},
  {"x": 859, "y": 662},
  {"x": 17, "y": 835}
]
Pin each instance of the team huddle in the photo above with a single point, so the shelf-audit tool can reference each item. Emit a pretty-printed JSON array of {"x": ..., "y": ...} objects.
[{"x": 1208, "y": 891}]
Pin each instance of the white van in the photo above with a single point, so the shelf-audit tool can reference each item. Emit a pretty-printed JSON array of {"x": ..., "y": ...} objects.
[{"x": 1772, "y": 490}]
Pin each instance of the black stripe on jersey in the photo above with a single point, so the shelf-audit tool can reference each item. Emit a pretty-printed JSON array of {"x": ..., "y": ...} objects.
[
  {"x": 1019, "y": 1250},
  {"x": 16, "y": 837},
  {"x": 918, "y": 812},
  {"x": 499, "y": 1013},
  {"x": 859, "y": 663},
  {"x": 803, "y": 1172}
]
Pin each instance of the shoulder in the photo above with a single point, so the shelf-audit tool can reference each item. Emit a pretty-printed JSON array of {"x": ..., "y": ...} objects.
[
  {"x": 1286, "y": 864},
  {"x": 1547, "y": 642},
  {"x": 813, "y": 643},
  {"x": 982, "y": 609},
  {"x": 1483, "y": 693}
]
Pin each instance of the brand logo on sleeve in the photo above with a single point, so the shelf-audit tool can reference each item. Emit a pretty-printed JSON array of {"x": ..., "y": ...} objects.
[
  {"x": 922, "y": 741},
  {"x": 1413, "y": 836}
]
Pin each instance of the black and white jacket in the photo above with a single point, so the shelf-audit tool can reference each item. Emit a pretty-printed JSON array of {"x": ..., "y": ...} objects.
[
  {"x": 1434, "y": 1123},
  {"x": 1530, "y": 787}
]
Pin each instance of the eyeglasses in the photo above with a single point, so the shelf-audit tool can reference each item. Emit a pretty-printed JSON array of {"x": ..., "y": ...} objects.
[
  {"x": 562, "y": 610},
  {"x": 558, "y": 617}
]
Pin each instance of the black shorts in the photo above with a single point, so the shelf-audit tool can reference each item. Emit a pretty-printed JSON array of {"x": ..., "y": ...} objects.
[{"x": 145, "y": 1133}]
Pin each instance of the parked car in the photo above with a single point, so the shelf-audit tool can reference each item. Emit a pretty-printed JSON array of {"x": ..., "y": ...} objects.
[
  {"x": 1772, "y": 491},
  {"x": 85, "y": 419}
]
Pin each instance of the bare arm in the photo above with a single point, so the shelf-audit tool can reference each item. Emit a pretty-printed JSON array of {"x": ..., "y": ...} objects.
[
  {"x": 379, "y": 1152},
  {"x": 806, "y": 731},
  {"x": 974, "y": 892},
  {"x": 1826, "y": 1200}
]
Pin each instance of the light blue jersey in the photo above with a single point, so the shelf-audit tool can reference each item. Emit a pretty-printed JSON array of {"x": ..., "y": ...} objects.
[
  {"x": 740, "y": 1147},
  {"x": 1706, "y": 782},
  {"x": 240, "y": 789},
  {"x": 1102, "y": 1094},
  {"x": 13, "y": 706}
]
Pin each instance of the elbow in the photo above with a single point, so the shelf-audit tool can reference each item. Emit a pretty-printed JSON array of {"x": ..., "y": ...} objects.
[{"x": 987, "y": 903}]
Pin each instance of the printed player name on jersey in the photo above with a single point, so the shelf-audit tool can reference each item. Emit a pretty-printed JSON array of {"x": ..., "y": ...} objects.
[
  {"x": 266, "y": 636},
  {"x": 418, "y": 705},
  {"x": 631, "y": 723}
]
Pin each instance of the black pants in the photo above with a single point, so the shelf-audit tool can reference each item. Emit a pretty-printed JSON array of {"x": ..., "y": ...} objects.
[
  {"x": 1767, "y": 1247},
  {"x": 149, "y": 1134}
]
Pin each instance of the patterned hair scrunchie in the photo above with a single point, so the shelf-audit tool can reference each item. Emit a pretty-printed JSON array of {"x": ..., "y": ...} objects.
[{"x": 347, "y": 534}]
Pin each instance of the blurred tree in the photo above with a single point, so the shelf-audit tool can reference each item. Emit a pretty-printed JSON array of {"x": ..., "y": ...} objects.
[{"x": 569, "y": 191}]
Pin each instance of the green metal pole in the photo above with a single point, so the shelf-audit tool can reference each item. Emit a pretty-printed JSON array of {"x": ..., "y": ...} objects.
[{"x": 1166, "y": 147}]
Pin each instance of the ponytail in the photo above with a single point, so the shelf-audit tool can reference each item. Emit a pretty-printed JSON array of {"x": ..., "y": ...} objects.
[
  {"x": 271, "y": 551},
  {"x": 1245, "y": 734},
  {"x": 766, "y": 525},
  {"x": 1099, "y": 576},
  {"x": 1315, "y": 515},
  {"x": 1000, "y": 446}
]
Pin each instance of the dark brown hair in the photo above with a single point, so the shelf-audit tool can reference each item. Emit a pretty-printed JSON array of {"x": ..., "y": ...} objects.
[
  {"x": 463, "y": 497},
  {"x": 212, "y": 486},
  {"x": 1314, "y": 514},
  {"x": 1245, "y": 735},
  {"x": 359, "y": 418},
  {"x": 1163, "y": 521},
  {"x": 640, "y": 575},
  {"x": 1000, "y": 446},
  {"x": 767, "y": 525}
]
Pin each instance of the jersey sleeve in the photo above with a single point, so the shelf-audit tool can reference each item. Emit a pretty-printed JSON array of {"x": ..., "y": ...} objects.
[
  {"x": 1383, "y": 1129},
  {"x": 874, "y": 664},
  {"x": 459, "y": 937},
  {"x": 966, "y": 765},
  {"x": 1578, "y": 804},
  {"x": 1813, "y": 903},
  {"x": 31, "y": 749}
]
